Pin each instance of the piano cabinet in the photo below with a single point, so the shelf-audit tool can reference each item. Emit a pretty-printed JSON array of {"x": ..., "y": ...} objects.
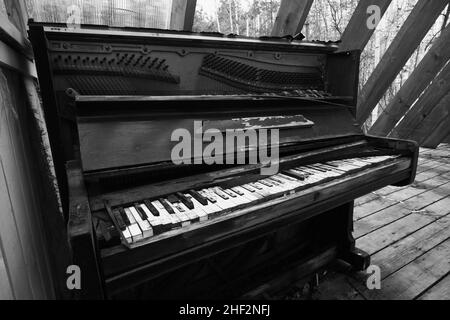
[{"x": 112, "y": 98}]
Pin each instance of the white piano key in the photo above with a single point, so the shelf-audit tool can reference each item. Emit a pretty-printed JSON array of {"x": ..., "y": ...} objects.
[
  {"x": 201, "y": 210},
  {"x": 212, "y": 207},
  {"x": 253, "y": 191},
  {"x": 289, "y": 180},
  {"x": 245, "y": 193},
  {"x": 357, "y": 162},
  {"x": 185, "y": 220},
  {"x": 282, "y": 185},
  {"x": 334, "y": 169},
  {"x": 237, "y": 199},
  {"x": 290, "y": 185},
  {"x": 294, "y": 181},
  {"x": 276, "y": 187},
  {"x": 261, "y": 189},
  {"x": 324, "y": 171},
  {"x": 191, "y": 214},
  {"x": 127, "y": 235},
  {"x": 155, "y": 222},
  {"x": 144, "y": 225},
  {"x": 222, "y": 203},
  {"x": 198, "y": 207},
  {"x": 163, "y": 212},
  {"x": 135, "y": 231},
  {"x": 309, "y": 178}
]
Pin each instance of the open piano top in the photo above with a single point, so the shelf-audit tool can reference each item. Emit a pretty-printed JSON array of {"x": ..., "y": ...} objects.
[{"x": 113, "y": 98}]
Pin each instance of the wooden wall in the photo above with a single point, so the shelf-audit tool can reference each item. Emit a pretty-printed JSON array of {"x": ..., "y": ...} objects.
[{"x": 27, "y": 195}]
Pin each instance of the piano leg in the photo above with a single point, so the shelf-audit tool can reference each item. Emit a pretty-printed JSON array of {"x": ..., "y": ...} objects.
[{"x": 347, "y": 250}]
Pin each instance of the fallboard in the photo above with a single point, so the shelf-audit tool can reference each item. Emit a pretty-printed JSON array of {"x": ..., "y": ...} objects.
[{"x": 127, "y": 133}]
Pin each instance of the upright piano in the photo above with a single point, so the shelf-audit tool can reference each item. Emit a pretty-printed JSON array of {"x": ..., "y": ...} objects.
[{"x": 141, "y": 225}]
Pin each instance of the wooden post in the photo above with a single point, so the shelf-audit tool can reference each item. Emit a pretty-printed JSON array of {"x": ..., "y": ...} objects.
[
  {"x": 357, "y": 33},
  {"x": 440, "y": 133},
  {"x": 416, "y": 26},
  {"x": 182, "y": 16},
  {"x": 417, "y": 82},
  {"x": 437, "y": 90},
  {"x": 291, "y": 17},
  {"x": 431, "y": 121}
]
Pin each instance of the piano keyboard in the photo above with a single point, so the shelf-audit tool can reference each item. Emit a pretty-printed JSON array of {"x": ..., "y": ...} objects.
[{"x": 147, "y": 218}]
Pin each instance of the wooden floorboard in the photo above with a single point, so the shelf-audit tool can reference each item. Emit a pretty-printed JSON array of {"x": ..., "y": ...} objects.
[
  {"x": 440, "y": 291},
  {"x": 406, "y": 230}
]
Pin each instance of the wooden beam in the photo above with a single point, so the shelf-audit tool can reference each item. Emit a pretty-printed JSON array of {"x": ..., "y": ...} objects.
[
  {"x": 431, "y": 121},
  {"x": 357, "y": 33},
  {"x": 182, "y": 16},
  {"x": 291, "y": 17},
  {"x": 437, "y": 90},
  {"x": 14, "y": 37},
  {"x": 9, "y": 58},
  {"x": 17, "y": 14},
  {"x": 417, "y": 82},
  {"x": 416, "y": 26},
  {"x": 438, "y": 135}
]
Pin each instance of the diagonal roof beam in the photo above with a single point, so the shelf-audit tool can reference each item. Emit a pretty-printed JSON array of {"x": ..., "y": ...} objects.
[
  {"x": 417, "y": 82},
  {"x": 358, "y": 31},
  {"x": 416, "y": 26},
  {"x": 291, "y": 17},
  {"x": 438, "y": 89},
  {"x": 439, "y": 134},
  {"x": 431, "y": 121},
  {"x": 182, "y": 15}
]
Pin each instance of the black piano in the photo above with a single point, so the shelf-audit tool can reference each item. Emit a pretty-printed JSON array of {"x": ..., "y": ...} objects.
[{"x": 142, "y": 225}]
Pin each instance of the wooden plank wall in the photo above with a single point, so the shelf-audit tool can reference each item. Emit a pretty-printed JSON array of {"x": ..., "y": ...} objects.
[{"x": 25, "y": 267}]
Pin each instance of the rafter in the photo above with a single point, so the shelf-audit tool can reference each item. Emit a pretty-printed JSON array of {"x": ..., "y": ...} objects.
[
  {"x": 416, "y": 26},
  {"x": 357, "y": 33},
  {"x": 421, "y": 77},
  {"x": 431, "y": 121},
  {"x": 291, "y": 17},
  {"x": 182, "y": 15},
  {"x": 437, "y": 90},
  {"x": 438, "y": 135}
]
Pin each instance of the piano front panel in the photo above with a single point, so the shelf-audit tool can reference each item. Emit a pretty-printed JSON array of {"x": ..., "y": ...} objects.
[{"x": 116, "y": 142}]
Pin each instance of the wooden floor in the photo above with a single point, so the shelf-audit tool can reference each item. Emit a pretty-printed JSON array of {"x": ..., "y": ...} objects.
[{"x": 407, "y": 233}]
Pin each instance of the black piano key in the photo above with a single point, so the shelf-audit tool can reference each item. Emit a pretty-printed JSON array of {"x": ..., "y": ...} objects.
[
  {"x": 210, "y": 199},
  {"x": 124, "y": 217},
  {"x": 229, "y": 193},
  {"x": 253, "y": 185},
  {"x": 197, "y": 196},
  {"x": 266, "y": 183},
  {"x": 314, "y": 167},
  {"x": 120, "y": 223},
  {"x": 152, "y": 208},
  {"x": 248, "y": 188},
  {"x": 166, "y": 206},
  {"x": 238, "y": 192},
  {"x": 294, "y": 174},
  {"x": 141, "y": 211},
  {"x": 221, "y": 194},
  {"x": 187, "y": 202}
]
